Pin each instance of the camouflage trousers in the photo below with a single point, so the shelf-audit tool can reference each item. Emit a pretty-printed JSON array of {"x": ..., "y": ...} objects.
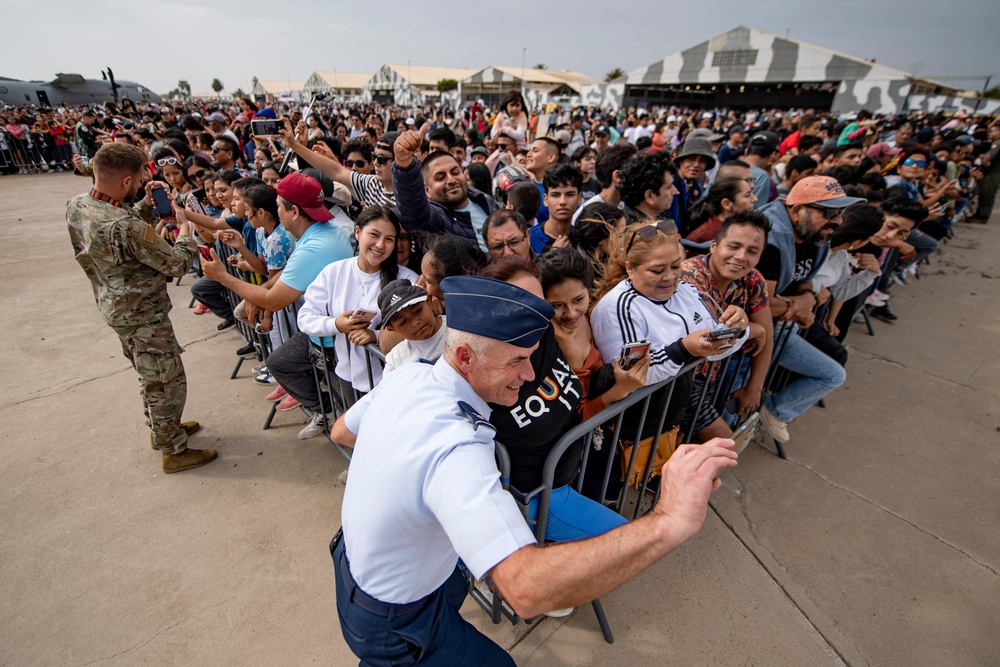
[{"x": 156, "y": 356}]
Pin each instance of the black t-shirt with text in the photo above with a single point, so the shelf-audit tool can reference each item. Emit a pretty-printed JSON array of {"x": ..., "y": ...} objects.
[
  {"x": 546, "y": 408},
  {"x": 770, "y": 264}
]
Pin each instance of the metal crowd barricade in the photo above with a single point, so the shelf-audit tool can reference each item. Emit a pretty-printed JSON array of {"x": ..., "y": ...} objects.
[
  {"x": 247, "y": 333},
  {"x": 286, "y": 321},
  {"x": 627, "y": 498},
  {"x": 629, "y": 501},
  {"x": 342, "y": 394}
]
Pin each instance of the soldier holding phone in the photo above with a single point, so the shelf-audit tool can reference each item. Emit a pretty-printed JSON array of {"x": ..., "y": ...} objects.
[{"x": 128, "y": 265}]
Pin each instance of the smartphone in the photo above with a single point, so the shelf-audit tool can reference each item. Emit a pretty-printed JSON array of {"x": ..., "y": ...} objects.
[
  {"x": 264, "y": 128},
  {"x": 632, "y": 352},
  {"x": 363, "y": 315},
  {"x": 162, "y": 202},
  {"x": 283, "y": 169},
  {"x": 199, "y": 194},
  {"x": 744, "y": 434},
  {"x": 724, "y": 334},
  {"x": 205, "y": 251}
]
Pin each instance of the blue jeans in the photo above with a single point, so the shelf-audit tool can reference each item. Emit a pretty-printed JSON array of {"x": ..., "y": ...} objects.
[
  {"x": 433, "y": 634},
  {"x": 924, "y": 244},
  {"x": 574, "y": 517},
  {"x": 820, "y": 375}
]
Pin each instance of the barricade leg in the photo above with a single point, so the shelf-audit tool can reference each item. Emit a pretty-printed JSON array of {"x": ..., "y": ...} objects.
[{"x": 602, "y": 620}]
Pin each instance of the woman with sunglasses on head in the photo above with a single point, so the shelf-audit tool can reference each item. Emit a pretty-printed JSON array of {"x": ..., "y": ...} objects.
[{"x": 643, "y": 298}]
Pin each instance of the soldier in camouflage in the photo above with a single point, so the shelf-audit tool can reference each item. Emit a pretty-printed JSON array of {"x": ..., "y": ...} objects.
[{"x": 128, "y": 264}]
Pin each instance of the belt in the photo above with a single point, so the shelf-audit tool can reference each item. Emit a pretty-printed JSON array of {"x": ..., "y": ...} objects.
[{"x": 367, "y": 602}]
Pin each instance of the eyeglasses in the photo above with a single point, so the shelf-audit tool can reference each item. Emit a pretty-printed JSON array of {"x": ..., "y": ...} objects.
[
  {"x": 198, "y": 175},
  {"x": 828, "y": 213},
  {"x": 382, "y": 160},
  {"x": 216, "y": 149},
  {"x": 168, "y": 160},
  {"x": 910, "y": 162},
  {"x": 648, "y": 232},
  {"x": 360, "y": 164},
  {"x": 514, "y": 245}
]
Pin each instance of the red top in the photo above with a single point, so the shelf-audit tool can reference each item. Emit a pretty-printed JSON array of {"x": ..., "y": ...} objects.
[
  {"x": 790, "y": 142},
  {"x": 706, "y": 231},
  {"x": 590, "y": 406}
]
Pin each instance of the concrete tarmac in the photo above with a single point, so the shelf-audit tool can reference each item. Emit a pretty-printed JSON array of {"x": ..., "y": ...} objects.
[{"x": 876, "y": 543}]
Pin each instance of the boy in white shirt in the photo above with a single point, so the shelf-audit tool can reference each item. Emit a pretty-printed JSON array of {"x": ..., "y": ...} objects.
[{"x": 406, "y": 311}]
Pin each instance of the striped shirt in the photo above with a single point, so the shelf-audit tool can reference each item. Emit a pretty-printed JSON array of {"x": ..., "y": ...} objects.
[{"x": 369, "y": 190}]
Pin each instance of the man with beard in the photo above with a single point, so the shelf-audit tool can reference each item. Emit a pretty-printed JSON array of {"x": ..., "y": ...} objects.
[
  {"x": 796, "y": 247},
  {"x": 434, "y": 197},
  {"x": 127, "y": 263}
]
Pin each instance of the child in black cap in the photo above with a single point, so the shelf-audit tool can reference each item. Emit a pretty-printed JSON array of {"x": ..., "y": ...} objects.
[{"x": 406, "y": 311}]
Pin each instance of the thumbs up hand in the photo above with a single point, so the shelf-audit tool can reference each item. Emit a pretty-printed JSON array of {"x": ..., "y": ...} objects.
[{"x": 407, "y": 144}]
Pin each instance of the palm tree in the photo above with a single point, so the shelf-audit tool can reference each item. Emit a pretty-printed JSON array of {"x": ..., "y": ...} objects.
[
  {"x": 616, "y": 73},
  {"x": 238, "y": 94},
  {"x": 184, "y": 88},
  {"x": 217, "y": 86},
  {"x": 541, "y": 66}
]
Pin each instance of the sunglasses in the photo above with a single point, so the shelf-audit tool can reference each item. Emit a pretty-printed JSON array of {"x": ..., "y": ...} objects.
[
  {"x": 382, "y": 160},
  {"x": 216, "y": 149},
  {"x": 168, "y": 160},
  {"x": 910, "y": 162},
  {"x": 828, "y": 213},
  {"x": 360, "y": 164},
  {"x": 648, "y": 232},
  {"x": 200, "y": 174}
]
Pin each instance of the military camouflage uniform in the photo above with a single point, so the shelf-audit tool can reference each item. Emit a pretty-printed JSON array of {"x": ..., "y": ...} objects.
[{"x": 128, "y": 264}]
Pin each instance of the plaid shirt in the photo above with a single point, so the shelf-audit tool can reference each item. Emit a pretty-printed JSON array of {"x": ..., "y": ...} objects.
[{"x": 749, "y": 293}]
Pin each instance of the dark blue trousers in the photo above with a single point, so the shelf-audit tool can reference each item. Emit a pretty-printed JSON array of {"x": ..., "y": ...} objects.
[{"x": 431, "y": 632}]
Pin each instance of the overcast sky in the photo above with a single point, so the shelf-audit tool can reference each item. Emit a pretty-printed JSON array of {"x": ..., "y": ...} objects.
[{"x": 158, "y": 42}]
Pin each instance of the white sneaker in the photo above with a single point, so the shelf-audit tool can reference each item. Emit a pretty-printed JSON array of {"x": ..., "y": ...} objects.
[
  {"x": 560, "y": 613},
  {"x": 315, "y": 426},
  {"x": 342, "y": 477},
  {"x": 485, "y": 589}
]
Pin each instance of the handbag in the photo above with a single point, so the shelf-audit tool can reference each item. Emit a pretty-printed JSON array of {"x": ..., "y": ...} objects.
[{"x": 664, "y": 450}]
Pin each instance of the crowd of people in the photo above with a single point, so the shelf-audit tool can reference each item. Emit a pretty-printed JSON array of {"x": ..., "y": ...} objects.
[{"x": 656, "y": 227}]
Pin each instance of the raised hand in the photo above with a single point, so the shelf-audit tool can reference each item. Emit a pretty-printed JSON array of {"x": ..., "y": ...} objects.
[{"x": 407, "y": 144}]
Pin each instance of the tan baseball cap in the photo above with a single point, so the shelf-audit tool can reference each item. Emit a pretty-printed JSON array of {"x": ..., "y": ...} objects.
[{"x": 822, "y": 191}]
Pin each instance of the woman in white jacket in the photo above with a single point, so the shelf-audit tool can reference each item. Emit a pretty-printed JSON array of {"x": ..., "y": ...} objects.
[
  {"x": 643, "y": 298},
  {"x": 341, "y": 305}
]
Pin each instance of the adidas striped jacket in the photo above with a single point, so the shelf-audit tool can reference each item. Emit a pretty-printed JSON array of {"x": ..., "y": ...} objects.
[{"x": 624, "y": 315}]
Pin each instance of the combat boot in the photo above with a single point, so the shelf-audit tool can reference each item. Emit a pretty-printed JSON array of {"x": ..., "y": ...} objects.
[
  {"x": 187, "y": 460},
  {"x": 189, "y": 427}
]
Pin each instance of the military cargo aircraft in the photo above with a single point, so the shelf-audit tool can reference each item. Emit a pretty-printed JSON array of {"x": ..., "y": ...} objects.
[{"x": 71, "y": 89}]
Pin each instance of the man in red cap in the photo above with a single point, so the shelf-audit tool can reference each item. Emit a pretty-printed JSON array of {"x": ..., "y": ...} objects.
[{"x": 319, "y": 242}]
